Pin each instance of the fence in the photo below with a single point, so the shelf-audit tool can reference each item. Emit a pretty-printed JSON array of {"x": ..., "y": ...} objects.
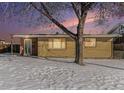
[{"x": 119, "y": 47}]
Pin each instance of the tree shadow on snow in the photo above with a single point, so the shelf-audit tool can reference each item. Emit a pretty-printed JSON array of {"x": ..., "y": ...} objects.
[
  {"x": 72, "y": 61},
  {"x": 105, "y": 66},
  {"x": 59, "y": 60}
]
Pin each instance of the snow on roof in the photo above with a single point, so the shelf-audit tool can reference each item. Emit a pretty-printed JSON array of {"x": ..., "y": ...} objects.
[{"x": 62, "y": 35}]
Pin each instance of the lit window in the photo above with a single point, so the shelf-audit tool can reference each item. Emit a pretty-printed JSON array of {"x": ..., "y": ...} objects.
[
  {"x": 56, "y": 43},
  {"x": 90, "y": 42}
]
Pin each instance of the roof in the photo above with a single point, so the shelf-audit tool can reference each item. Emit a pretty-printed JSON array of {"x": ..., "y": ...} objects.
[
  {"x": 62, "y": 35},
  {"x": 115, "y": 28}
]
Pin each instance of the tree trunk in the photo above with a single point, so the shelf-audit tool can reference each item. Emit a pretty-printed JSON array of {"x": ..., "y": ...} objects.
[
  {"x": 79, "y": 47},
  {"x": 79, "y": 41},
  {"x": 79, "y": 51}
]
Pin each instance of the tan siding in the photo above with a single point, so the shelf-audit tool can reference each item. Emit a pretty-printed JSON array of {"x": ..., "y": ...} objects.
[
  {"x": 44, "y": 51},
  {"x": 103, "y": 49}
]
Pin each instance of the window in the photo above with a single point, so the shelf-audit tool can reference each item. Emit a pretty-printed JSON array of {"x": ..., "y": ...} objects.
[
  {"x": 90, "y": 42},
  {"x": 56, "y": 43}
]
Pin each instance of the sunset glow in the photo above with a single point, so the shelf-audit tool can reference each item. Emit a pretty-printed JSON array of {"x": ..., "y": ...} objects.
[{"x": 11, "y": 26}]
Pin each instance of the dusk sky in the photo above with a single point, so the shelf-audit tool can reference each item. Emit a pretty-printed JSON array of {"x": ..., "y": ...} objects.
[{"x": 11, "y": 26}]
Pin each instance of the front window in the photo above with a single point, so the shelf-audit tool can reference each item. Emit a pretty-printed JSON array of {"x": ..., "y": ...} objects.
[
  {"x": 56, "y": 43},
  {"x": 90, "y": 42}
]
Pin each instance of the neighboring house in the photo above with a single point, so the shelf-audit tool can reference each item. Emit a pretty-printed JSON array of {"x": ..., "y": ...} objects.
[
  {"x": 56, "y": 45},
  {"x": 2, "y": 46},
  {"x": 118, "y": 29},
  {"x": 119, "y": 42}
]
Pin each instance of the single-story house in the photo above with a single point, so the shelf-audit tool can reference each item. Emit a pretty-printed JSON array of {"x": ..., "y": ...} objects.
[{"x": 61, "y": 45}]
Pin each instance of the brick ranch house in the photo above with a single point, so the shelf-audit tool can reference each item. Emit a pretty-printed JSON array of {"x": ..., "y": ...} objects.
[{"x": 61, "y": 45}]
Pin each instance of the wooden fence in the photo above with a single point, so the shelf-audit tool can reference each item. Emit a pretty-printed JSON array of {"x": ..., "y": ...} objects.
[{"x": 119, "y": 47}]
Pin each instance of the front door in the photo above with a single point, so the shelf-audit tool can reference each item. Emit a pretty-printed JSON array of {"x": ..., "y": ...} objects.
[{"x": 27, "y": 47}]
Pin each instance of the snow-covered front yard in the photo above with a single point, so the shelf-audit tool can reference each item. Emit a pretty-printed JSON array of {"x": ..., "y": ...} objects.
[{"x": 39, "y": 73}]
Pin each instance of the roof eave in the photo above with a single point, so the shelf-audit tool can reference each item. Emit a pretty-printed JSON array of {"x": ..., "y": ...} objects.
[{"x": 42, "y": 36}]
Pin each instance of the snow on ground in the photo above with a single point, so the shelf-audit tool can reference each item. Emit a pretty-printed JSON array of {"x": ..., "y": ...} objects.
[{"x": 57, "y": 73}]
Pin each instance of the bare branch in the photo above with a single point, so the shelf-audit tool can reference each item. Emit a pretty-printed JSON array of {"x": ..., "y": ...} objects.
[
  {"x": 75, "y": 10},
  {"x": 39, "y": 10},
  {"x": 45, "y": 8},
  {"x": 5, "y": 9},
  {"x": 26, "y": 8},
  {"x": 85, "y": 7},
  {"x": 47, "y": 14}
]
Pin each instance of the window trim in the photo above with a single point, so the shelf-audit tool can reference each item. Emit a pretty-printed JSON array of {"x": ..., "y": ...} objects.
[
  {"x": 90, "y": 46},
  {"x": 52, "y": 39}
]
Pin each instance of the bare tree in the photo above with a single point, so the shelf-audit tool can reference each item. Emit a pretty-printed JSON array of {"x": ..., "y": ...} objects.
[{"x": 80, "y": 9}]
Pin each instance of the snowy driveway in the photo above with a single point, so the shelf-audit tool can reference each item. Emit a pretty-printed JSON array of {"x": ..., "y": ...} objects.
[{"x": 38, "y": 73}]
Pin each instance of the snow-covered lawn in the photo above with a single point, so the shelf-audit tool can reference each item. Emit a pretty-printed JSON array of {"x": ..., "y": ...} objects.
[{"x": 55, "y": 73}]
